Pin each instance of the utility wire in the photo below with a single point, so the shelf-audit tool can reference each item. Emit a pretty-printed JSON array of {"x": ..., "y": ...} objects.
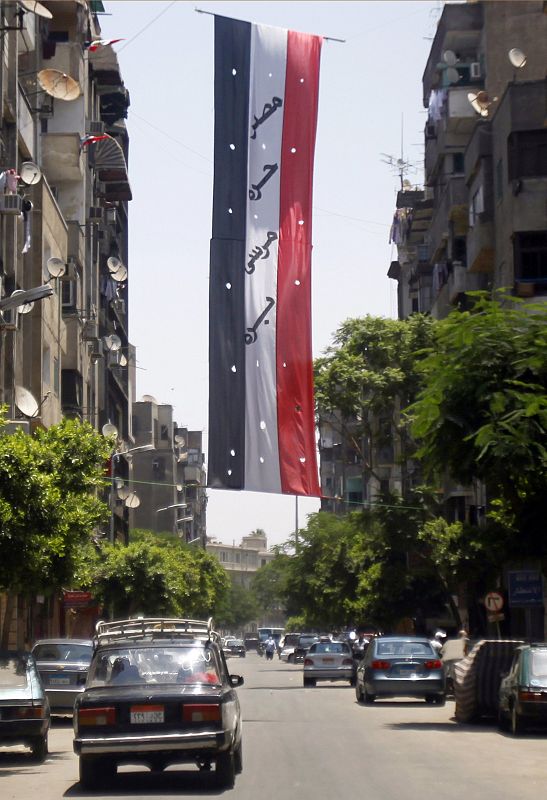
[{"x": 162, "y": 12}]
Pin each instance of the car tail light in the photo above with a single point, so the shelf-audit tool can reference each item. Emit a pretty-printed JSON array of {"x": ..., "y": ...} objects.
[
  {"x": 29, "y": 712},
  {"x": 308, "y": 662},
  {"x": 202, "y": 712},
  {"x": 528, "y": 696},
  {"x": 347, "y": 662},
  {"x": 433, "y": 664},
  {"x": 97, "y": 716},
  {"x": 383, "y": 665}
]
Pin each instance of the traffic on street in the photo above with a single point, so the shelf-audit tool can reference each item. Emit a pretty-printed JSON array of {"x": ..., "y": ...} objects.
[{"x": 315, "y": 742}]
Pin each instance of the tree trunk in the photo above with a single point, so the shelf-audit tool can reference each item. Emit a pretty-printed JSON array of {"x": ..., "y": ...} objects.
[{"x": 11, "y": 599}]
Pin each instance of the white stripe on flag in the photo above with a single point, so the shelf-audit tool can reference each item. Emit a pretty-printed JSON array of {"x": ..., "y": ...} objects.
[{"x": 267, "y": 90}]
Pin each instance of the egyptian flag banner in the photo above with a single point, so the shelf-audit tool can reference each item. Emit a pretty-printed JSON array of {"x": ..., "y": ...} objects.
[{"x": 261, "y": 401}]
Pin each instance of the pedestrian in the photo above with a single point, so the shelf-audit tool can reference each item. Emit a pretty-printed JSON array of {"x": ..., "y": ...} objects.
[
  {"x": 438, "y": 641},
  {"x": 270, "y": 647}
]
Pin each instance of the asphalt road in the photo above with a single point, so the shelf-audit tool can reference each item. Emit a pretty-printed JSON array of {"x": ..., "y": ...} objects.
[{"x": 317, "y": 744}]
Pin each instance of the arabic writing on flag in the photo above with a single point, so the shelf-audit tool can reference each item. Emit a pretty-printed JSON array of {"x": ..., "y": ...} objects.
[{"x": 261, "y": 403}]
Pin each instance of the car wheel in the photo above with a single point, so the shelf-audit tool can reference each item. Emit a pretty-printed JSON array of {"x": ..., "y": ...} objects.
[
  {"x": 309, "y": 681},
  {"x": 291, "y": 659},
  {"x": 238, "y": 758},
  {"x": 503, "y": 722},
  {"x": 359, "y": 693},
  {"x": 225, "y": 770},
  {"x": 440, "y": 700},
  {"x": 517, "y": 724},
  {"x": 352, "y": 680},
  {"x": 429, "y": 699},
  {"x": 38, "y": 748},
  {"x": 96, "y": 772},
  {"x": 368, "y": 698}
]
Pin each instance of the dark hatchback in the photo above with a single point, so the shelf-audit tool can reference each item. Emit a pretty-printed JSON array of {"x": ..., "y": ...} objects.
[
  {"x": 24, "y": 708},
  {"x": 158, "y": 693},
  {"x": 523, "y": 692}
]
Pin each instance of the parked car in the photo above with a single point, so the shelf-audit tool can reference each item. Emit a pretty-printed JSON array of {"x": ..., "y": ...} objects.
[
  {"x": 288, "y": 644},
  {"x": 234, "y": 647},
  {"x": 477, "y": 678},
  {"x": 251, "y": 643},
  {"x": 523, "y": 691},
  {"x": 63, "y": 666},
  {"x": 400, "y": 665},
  {"x": 329, "y": 661},
  {"x": 305, "y": 641},
  {"x": 158, "y": 692},
  {"x": 24, "y": 707}
]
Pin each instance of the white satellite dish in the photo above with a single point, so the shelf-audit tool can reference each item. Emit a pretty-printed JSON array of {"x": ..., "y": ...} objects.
[
  {"x": 132, "y": 501},
  {"x": 450, "y": 57},
  {"x": 109, "y": 429},
  {"x": 480, "y": 102},
  {"x": 122, "y": 360},
  {"x": 26, "y": 307},
  {"x": 36, "y": 8},
  {"x": 30, "y": 173},
  {"x": 113, "y": 264},
  {"x": 26, "y": 402},
  {"x": 452, "y": 75},
  {"x": 58, "y": 84},
  {"x": 517, "y": 58},
  {"x": 148, "y": 398},
  {"x": 123, "y": 492},
  {"x": 120, "y": 274},
  {"x": 179, "y": 439},
  {"x": 56, "y": 267},
  {"x": 112, "y": 342}
]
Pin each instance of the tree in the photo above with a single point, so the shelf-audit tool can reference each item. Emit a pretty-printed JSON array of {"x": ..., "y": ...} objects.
[
  {"x": 482, "y": 412},
  {"x": 236, "y": 609},
  {"x": 369, "y": 374},
  {"x": 269, "y": 584},
  {"x": 49, "y": 506},
  {"x": 156, "y": 576}
]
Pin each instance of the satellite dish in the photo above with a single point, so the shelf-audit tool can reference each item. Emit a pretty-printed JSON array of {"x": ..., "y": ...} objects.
[
  {"x": 113, "y": 264},
  {"x": 180, "y": 487},
  {"x": 58, "y": 84},
  {"x": 30, "y": 173},
  {"x": 452, "y": 75},
  {"x": 56, "y": 267},
  {"x": 112, "y": 342},
  {"x": 26, "y": 402},
  {"x": 26, "y": 307},
  {"x": 180, "y": 439},
  {"x": 450, "y": 57},
  {"x": 480, "y": 102},
  {"x": 517, "y": 58},
  {"x": 109, "y": 429},
  {"x": 148, "y": 398},
  {"x": 122, "y": 360},
  {"x": 123, "y": 492},
  {"x": 120, "y": 274},
  {"x": 36, "y": 8},
  {"x": 132, "y": 501}
]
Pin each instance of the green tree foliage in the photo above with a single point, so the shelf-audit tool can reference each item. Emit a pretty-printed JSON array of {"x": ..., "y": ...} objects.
[
  {"x": 371, "y": 371},
  {"x": 48, "y": 503},
  {"x": 156, "y": 576},
  {"x": 483, "y": 410},
  {"x": 270, "y": 584},
  {"x": 236, "y": 609}
]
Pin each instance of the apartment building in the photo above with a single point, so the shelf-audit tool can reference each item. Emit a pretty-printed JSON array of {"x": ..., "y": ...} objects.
[
  {"x": 168, "y": 474},
  {"x": 64, "y": 195},
  {"x": 242, "y": 561}
]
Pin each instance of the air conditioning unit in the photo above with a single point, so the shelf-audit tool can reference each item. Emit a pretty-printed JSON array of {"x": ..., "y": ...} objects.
[
  {"x": 11, "y": 204},
  {"x": 111, "y": 216},
  {"x": 97, "y": 351},
  {"x": 95, "y": 212},
  {"x": 475, "y": 70},
  {"x": 12, "y": 425},
  {"x": 90, "y": 331},
  {"x": 95, "y": 126}
]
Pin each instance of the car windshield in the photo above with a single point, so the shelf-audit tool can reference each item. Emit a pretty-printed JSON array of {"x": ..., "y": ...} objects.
[
  {"x": 538, "y": 669},
  {"x": 154, "y": 665},
  {"x": 64, "y": 651},
  {"x": 329, "y": 647},
  {"x": 307, "y": 640},
  {"x": 13, "y": 673},
  {"x": 402, "y": 648}
]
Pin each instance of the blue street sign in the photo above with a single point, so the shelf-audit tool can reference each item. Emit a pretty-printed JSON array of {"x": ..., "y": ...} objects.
[{"x": 525, "y": 588}]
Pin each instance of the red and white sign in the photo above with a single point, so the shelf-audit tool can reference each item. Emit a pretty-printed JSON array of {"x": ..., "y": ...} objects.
[{"x": 493, "y": 601}]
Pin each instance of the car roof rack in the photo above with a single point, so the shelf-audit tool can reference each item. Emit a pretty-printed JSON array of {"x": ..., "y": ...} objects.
[{"x": 154, "y": 628}]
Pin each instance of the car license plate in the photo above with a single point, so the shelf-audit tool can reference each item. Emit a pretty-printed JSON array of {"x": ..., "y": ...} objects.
[
  {"x": 328, "y": 660},
  {"x": 147, "y": 715},
  {"x": 59, "y": 681}
]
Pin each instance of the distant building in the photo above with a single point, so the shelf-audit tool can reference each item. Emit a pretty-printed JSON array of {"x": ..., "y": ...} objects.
[{"x": 242, "y": 561}]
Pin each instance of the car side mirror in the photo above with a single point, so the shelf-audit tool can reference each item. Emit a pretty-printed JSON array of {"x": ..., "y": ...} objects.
[{"x": 236, "y": 680}]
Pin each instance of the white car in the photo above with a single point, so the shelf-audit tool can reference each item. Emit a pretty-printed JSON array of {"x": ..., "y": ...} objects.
[{"x": 329, "y": 661}]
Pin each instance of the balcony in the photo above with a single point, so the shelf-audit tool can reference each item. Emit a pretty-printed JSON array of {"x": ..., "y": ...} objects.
[
  {"x": 62, "y": 159},
  {"x": 451, "y": 208}
]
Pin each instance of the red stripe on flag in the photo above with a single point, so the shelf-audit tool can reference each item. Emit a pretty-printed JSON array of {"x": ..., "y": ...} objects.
[{"x": 295, "y": 399}]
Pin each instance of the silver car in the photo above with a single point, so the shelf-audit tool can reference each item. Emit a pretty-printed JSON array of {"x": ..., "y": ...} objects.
[
  {"x": 328, "y": 661},
  {"x": 400, "y": 665},
  {"x": 63, "y": 665}
]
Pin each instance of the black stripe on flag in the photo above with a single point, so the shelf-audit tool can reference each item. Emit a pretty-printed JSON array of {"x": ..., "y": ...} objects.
[{"x": 226, "y": 447}]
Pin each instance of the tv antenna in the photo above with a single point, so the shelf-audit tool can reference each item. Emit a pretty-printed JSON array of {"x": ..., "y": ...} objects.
[{"x": 400, "y": 166}]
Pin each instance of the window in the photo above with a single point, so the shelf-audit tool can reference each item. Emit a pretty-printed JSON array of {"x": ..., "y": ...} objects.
[
  {"x": 164, "y": 435},
  {"x": 68, "y": 294},
  {"x": 530, "y": 251},
  {"x": 527, "y": 152},
  {"x": 476, "y": 207},
  {"x": 457, "y": 163}
]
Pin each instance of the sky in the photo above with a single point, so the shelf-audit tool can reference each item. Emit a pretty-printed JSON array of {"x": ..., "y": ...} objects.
[{"x": 370, "y": 114}]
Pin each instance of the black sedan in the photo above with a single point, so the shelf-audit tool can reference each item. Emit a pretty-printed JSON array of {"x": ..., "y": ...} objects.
[
  {"x": 158, "y": 693},
  {"x": 24, "y": 708}
]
